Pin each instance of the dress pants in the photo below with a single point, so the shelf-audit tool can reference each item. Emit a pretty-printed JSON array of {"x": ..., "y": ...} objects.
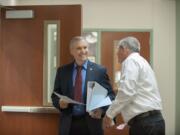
[
  {"x": 150, "y": 125},
  {"x": 85, "y": 125},
  {"x": 79, "y": 126}
]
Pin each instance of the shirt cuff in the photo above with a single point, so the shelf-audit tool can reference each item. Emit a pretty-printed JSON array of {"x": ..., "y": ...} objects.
[{"x": 110, "y": 113}]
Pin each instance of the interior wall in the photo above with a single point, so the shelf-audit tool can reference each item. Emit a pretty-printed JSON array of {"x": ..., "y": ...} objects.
[
  {"x": 177, "y": 67},
  {"x": 0, "y": 67},
  {"x": 158, "y": 15}
]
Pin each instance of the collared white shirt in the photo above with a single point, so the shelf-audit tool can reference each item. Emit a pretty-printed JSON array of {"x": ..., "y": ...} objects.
[{"x": 138, "y": 90}]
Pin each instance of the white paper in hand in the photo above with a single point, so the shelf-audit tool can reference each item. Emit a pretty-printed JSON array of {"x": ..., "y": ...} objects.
[
  {"x": 67, "y": 99},
  {"x": 96, "y": 96}
]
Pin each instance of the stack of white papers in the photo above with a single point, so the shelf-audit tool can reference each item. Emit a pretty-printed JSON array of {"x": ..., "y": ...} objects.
[{"x": 96, "y": 96}]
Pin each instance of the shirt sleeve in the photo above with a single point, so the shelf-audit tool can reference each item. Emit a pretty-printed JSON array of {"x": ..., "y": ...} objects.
[{"x": 127, "y": 91}]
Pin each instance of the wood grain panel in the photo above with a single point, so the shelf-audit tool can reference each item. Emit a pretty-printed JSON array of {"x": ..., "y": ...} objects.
[
  {"x": 21, "y": 52},
  {"x": 29, "y": 124},
  {"x": 1, "y": 100}
]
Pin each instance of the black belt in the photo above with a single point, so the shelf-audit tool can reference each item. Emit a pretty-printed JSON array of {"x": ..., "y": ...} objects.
[{"x": 143, "y": 115}]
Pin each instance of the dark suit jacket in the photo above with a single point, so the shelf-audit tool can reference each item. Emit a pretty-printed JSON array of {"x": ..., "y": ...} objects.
[{"x": 64, "y": 85}]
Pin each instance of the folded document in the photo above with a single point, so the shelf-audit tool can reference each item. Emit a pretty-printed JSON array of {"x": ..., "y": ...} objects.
[
  {"x": 67, "y": 99},
  {"x": 96, "y": 97}
]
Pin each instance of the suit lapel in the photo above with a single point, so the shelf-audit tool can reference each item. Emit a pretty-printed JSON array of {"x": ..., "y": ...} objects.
[
  {"x": 89, "y": 76},
  {"x": 70, "y": 80}
]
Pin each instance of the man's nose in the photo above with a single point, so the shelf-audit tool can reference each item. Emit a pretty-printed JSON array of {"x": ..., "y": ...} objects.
[{"x": 83, "y": 50}]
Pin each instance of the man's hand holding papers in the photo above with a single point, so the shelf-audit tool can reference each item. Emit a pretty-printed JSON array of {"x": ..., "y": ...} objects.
[
  {"x": 96, "y": 96},
  {"x": 96, "y": 114},
  {"x": 63, "y": 104},
  {"x": 64, "y": 101}
]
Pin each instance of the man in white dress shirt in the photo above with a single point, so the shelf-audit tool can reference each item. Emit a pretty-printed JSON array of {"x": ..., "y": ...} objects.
[{"x": 138, "y": 99}]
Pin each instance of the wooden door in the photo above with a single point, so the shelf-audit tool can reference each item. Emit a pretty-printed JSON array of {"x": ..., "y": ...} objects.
[
  {"x": 21, "y": 65},
  {"x": 108, "y": 39}
]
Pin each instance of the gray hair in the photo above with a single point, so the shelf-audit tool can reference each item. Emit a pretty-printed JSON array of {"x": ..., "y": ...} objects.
[
  {"x": 77, "y": 39},
  {"x": 131, "y": 43}
]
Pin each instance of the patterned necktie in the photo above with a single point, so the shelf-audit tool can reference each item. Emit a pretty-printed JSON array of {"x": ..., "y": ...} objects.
[{"x": 78, "y": 85}]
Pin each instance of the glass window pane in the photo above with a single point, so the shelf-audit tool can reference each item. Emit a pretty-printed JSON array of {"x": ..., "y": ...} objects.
[{"x": 51, "y": 55}]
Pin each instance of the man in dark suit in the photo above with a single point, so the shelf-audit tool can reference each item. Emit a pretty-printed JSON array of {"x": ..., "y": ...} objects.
[{"x": 74, "y": 120}]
